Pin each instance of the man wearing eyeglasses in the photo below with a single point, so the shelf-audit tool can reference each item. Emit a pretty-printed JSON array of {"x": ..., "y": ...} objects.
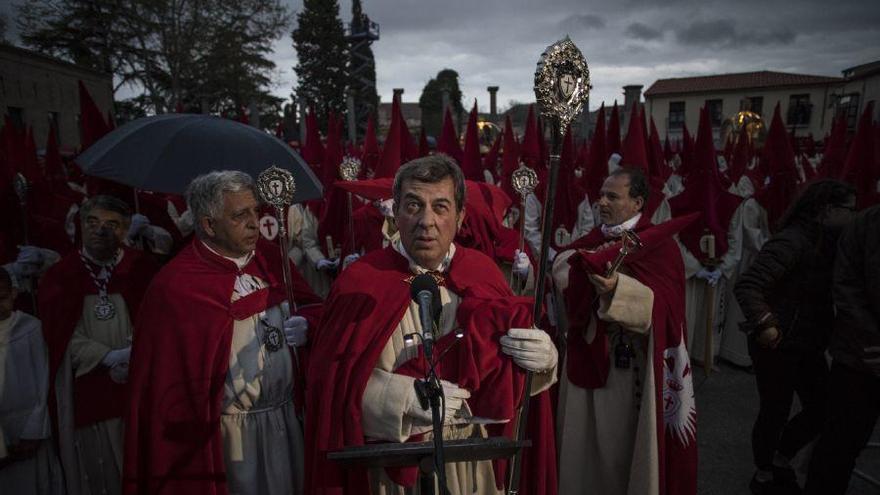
[{"x": 87, "y": 303}]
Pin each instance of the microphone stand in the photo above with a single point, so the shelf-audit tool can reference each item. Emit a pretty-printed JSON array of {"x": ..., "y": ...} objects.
[{"x": 430, "y": 394}]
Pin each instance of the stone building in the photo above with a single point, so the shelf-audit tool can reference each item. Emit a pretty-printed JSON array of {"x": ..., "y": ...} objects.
[{"x": 42, "y": 92}]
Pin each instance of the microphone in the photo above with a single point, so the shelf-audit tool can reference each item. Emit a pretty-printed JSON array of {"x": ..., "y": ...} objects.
[{"x": 425, "y": 292}]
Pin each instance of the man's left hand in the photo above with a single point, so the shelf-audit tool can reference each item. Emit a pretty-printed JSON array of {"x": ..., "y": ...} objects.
[
  {"x": 530, "y": 348},
  {"x": 604, "y": 285},
  {"x": 296, "y": 331}
]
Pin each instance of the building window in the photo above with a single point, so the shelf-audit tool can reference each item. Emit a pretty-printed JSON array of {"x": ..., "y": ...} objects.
[
  {"x": 676, "y": 114},
  {"x": 753, "y": 104},
  {"x": 848, "y": 107},
  {"x": 799, "y": 110},
  {"x": 715, "y": 112},
  {"x": 16, "y": 116},
  {"x": 53, "y": 125}
]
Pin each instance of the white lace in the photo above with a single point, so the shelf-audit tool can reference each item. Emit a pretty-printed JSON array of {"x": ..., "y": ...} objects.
[{"x": 615, "y": 231}]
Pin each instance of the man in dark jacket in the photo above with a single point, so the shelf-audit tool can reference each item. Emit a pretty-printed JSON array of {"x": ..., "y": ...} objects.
[
  {"x": 854, "y": 396},
  {"x": 786, "y": 298}
]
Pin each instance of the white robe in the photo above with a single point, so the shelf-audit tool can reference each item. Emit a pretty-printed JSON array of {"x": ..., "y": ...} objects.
[
  {"x": 606, "y": 437},
  {"x": 24, "y": 389},
  {"x": 534, "y": 208}
]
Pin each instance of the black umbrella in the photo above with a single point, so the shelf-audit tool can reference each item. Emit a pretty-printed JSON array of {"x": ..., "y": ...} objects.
[{"x": 164, "y": 153}]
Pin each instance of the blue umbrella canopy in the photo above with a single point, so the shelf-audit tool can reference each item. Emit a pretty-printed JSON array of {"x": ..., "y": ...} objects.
[{"x": 165, "y": 152}]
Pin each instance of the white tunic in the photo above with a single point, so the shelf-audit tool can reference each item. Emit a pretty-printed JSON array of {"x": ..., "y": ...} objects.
[{"x": 24, "y": 388}]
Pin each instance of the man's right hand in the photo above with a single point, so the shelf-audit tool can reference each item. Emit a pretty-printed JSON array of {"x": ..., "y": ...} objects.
[
  {"x": 769, "y": 337},
  {"x": 455, "y": 399}
]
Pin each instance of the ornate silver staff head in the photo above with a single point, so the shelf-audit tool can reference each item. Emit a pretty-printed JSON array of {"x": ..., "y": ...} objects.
[
  {"x": 524, "y": 180},
  {"x": 276, "y": 187},
  {"x": 350, "y": 168},
  {"x": 562, "y": 82}
]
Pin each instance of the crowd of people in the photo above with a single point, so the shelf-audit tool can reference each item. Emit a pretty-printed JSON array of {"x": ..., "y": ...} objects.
[{"x": 149, "y": 343}]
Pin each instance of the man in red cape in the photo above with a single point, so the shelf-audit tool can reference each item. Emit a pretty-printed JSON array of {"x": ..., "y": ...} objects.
[
  {"x": 212, "y": 407},
  {"x": 364, "y": 361},
  {"x": 627, "y": 417},
  {"x": 87, "y": 303}
]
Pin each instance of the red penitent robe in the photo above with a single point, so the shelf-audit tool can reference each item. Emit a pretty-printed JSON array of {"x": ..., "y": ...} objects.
[
  {"x": 179, "y": 364},
  {"x": 362, "y": 311},
  {"x": 62, "y": 291}
]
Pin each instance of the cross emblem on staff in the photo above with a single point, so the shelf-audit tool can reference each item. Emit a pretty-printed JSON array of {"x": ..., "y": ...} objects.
[
  {"x": 269, "y": 225},
  {"x": 276, "y": 186},
  {"x": 567, "y": 85}
]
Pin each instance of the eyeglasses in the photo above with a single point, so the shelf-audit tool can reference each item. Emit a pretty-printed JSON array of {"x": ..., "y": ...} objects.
[{"x": 92, "y": 223}]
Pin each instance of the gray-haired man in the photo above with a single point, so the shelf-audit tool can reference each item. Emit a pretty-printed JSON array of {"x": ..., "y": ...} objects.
[{"x": 212, "y": 407}]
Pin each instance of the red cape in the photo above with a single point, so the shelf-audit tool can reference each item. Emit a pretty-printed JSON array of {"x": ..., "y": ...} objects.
[
  {"x": 659, "y": 266},
  {"x": 179, "y": 364},
  {"x": 61, "y": 295},
  {"x": 363, "y": 309}
]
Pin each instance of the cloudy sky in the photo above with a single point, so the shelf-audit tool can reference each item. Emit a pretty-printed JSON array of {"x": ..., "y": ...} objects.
[{"x": 498, "y": 42}]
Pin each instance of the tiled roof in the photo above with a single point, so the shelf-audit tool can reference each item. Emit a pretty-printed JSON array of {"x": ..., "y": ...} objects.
[{"x": 728, "y": 82}]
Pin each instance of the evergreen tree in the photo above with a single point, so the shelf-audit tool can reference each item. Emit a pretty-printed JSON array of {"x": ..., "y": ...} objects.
[
  {"x": 431, "y": 100},
  {"x": 195, "y": 55},
  {"x": 362, "y": 68},
  {"x": 323, "y": 56}
]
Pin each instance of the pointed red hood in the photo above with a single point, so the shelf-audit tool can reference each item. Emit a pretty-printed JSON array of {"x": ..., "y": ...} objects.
[
  {"x": 91, "y": 119},
  {"x": 597, "y": 167},
  {"x": 660, "y": 170},
  {"x": 686, "y": 153},
  {"x": 530, "y": 151},
  {"x": 409, "y": 149},
  {"x": 779, "y": 164},
  {"x": 741, "y": 156},
  {"x": 569, "y": 193},
  {"x": 634, "y": 150},
  {"x": 313, "y": 150},
  {"x": 509, "y": 159},
  {"x": 30, "y": 166},
  {"x": 371, "y": 155},
  {"x": 490, "y": 161},
  {"x": 392, "y": 157},
  {"x": 862, "y": 168},
  {"x": 612, "y": 142},
  {"x": 834, "y": 153},
  {"x": 471, "y": 165},
  {"x": 53, "y": 165},
  {"x": 705, "y": 194},
  {"x": 448, "y": 142}
]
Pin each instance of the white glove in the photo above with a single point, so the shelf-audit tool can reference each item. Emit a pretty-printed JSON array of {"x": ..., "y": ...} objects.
[
  {"x": 31, "y": 259},
  {"x": 455, "y": 401},
  {"x": 711, "y": 277},
  {"x": 530, "y": 349},
  {"x": 117, "y": 357},
  {"x": 521, "y": 264},
  {"x": 119, "y": 374},
  {"x": 351, "y": 258},
  {"x": 386, "y": 207},
  {"x": 326, "y": 264},
  {"x": 296, "y": 331},
  {"x": 139, "y": 223}
]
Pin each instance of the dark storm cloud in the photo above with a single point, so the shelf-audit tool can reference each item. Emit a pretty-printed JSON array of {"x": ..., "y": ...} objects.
[
  {"x": 724, "y": 32},
  {"x": 580, "y": 22},
  {"x": 643, "y": 32}
]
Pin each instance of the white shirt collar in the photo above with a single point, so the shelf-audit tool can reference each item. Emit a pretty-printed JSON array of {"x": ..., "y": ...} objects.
[
  {"x": 240, "y": 262},
  {"x": 418, "y": 269},
  {"x": 614, "y": 231}
]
